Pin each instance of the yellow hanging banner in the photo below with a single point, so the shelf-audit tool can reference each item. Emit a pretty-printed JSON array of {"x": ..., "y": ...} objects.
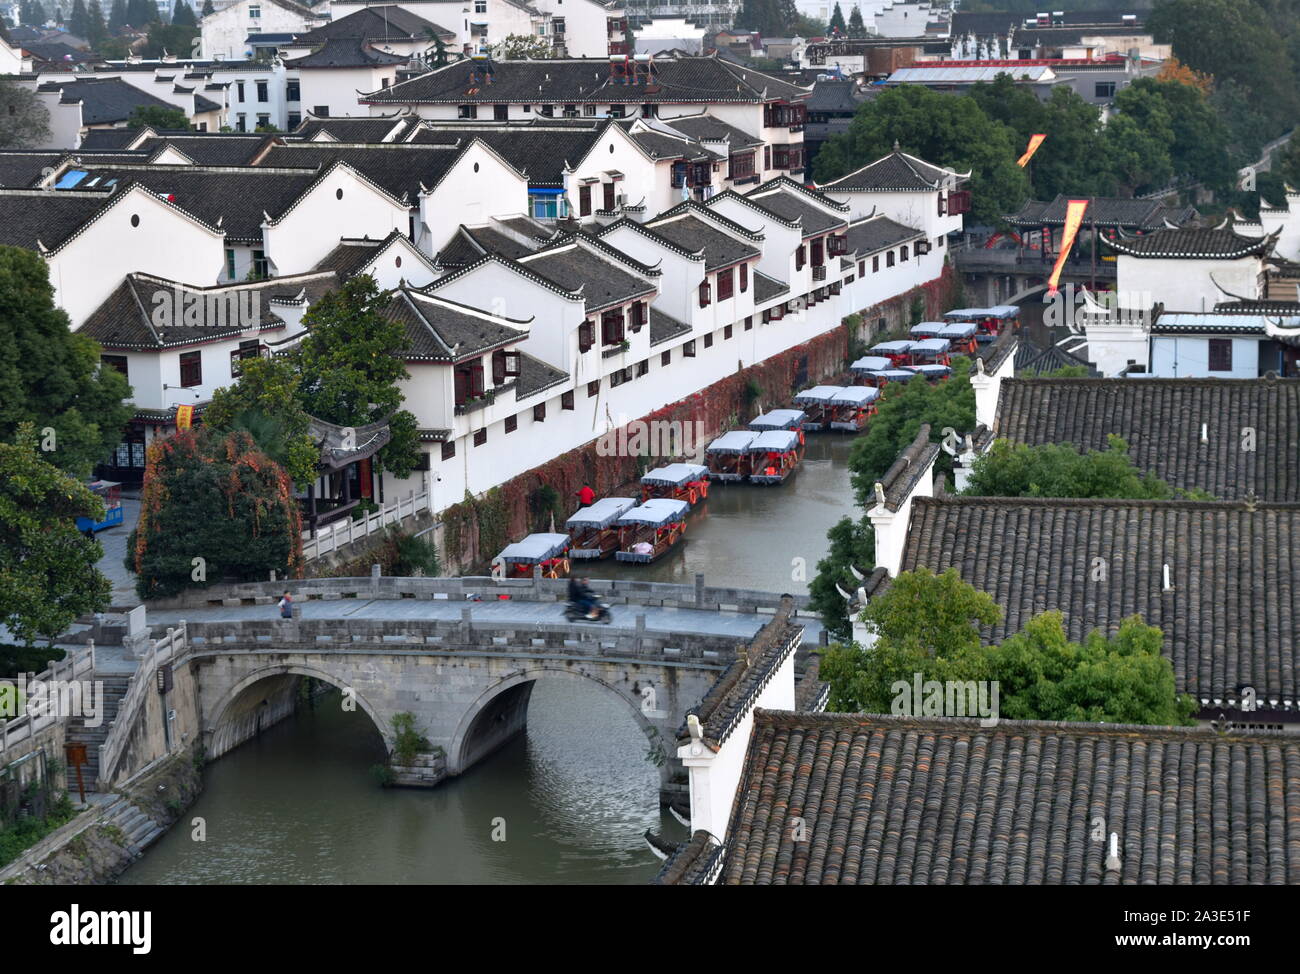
[
  {"x": 184, "y": 417},
  {"x": 1074, "y": 211},
  {"x": 1034, "y": 142}
]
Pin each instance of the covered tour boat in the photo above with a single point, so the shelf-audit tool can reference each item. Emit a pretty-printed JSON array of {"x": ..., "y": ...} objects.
[
  {"x": 990, "y": 321},
  {"x": 934, "y": 373},
  {"x": 592, "y": 530},
  {"x": 815, "y": 402},
  {"x": 961, "y": 335},
  {"x": 927, "y": 329},
  {"x": 779, "y": 419},
  {"x": 930, "y": 351},
  {"x": 898, "y": 352},
  {"x": 110, "y": 492},
  {"x": 647, "y": 531},
  {"x": 773, "y": 456},
  {"x": 852, "y": 407},
  {"x": 869, "y": 367},
  {"x": 548, "y": 550},
  {"x": 679, "y": 481},
  {"x": 728, "y": 456}
]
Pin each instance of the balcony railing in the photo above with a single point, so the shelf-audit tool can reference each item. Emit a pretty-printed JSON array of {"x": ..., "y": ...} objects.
[
  {"x": 819, "y": 272},
  {"x": 477, "y": 403}
]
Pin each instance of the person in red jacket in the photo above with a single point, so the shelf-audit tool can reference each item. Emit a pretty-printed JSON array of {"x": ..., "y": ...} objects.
[{"x": 586, "y": 496}]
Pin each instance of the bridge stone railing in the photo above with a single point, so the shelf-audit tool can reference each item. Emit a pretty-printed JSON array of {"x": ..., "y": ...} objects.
[
  {"x": 485, "y": 588},
  {"x": 19, "y": 731},
  {"x": 461, "y": 635}
]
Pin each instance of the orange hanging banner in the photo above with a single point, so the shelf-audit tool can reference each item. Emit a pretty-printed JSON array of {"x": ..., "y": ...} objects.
[
  {"x": 184, "y": 417},
  {"x": 1034, "y": 142},
  {"x": 1074, "y": 211}
]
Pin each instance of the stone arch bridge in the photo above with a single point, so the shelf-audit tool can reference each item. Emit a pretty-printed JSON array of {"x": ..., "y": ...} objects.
[{"x": 465, "y": 672}]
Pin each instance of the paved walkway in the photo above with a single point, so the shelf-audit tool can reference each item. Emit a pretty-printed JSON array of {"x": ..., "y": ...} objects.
[
  {"x": 742, "y": 625},
  {"x": 113, "y": 541}
]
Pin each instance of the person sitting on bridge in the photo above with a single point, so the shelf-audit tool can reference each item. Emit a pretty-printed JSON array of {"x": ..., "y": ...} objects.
[{"x": 581, "y": 595}]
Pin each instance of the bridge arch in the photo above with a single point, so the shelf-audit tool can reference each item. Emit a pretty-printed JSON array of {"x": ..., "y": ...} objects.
[
  {"x": 228, "y": 728},
  {"x": 508, "y": 698}
]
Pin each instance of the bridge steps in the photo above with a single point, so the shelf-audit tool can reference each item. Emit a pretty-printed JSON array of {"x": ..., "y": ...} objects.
[{"x": 93, "y": 737}]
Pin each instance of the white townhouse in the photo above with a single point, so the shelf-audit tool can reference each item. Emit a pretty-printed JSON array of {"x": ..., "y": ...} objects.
[
  {"x": 276, "y": 221},
  {"x": 442, "y": 185},
  {"x": 332, "y": 78},
  {"x": 907, "y": 189},
  {"x": 81, "y": 103},
  {"x": 386, "y": 27},
  {"x": 92, "y": 239},
  {"x": 224, "y": 34},
  {"x": 477, "y": 24},
  {"x": 760, "y": 106},
  {"x": 585, "y": 28},
  {"x": 1282, "y": 220}
]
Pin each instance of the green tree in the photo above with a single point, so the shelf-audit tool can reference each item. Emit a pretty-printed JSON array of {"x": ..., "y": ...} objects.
[
  {"x": 852, "y": 543},
  {"x": 117, "y": 16},
  {"x": 141, "y": 13},
  {"x": 24, "y": 121},
  {"x": 1138, "y": 157},
  {"x": 1197, "y": 138},
  {"x": 208, "y": 8},
  {"x": 940, "y": 128},
  {"x": 48, "y": 573},
  {"x": 157, "y": 117},
  {"x": 183, "y": 15},
  {"x": 213, "y": 507},
  {"x": 96, "y": 29},
  {"x": 350, "y": 364},
  {"x": 903, "y": 408},
  {"x": 50, "y": 376},
  {"x": 439, "y": 48},
  {"x": 837, "y": 20},
  {"x": 856, "y": 26},
  {"x": 78, "y": 20},
  {"x": 764, "y": 16},
  {"x": 1060, "y": 470},
  {"x": 265, "y": 402},
  {"x": 169, "y": 39},
  {"x": 930, "y": 625}
]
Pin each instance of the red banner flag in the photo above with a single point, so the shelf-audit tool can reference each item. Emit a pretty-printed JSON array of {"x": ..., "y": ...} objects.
[
  {"x": 1034, "y": 142},
  {"x": 1074, "y": 210},
  {"x": 184, "y": 417}
]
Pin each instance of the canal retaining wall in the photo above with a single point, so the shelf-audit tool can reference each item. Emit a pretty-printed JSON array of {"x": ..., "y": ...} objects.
[{"x": 101, "y": 842}]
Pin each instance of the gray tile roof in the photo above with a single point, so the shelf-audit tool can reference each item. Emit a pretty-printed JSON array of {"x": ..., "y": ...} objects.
[
  {"x": 345, "y": 52},
  {"x": 898, "y": 800},
  {"x": 104, "y": 101},
  {"x": 402, "y": 170},
  {"x": 1231, "y": 618},
  {"x": 536, "y": 376},
  {"x": 236, "y": 198},
  {"x": 664, "y": 327},
  {"x": 1043, "y": 361},
  {"x": 660, "y": 146},
  {"x": 684, "y": 80},
  {"x": 790, "y": 206},
  {"x": 352, "y": 130},
  {"x": 692, "y": 234},
  {"x": 352, "y": 255},
  {"x": 1162, "y": 421},
  {"x": 574, "y": 268},
  {"x": 706, "y": 128},
  {"x": 1108, "y": 211},
  {"x": 128, "y": 318},
  {"x": 444, "y": 331},
  {"x": 542, "y": 149},
  {"x": 872, "y": 234},
  {"x": 382, "y": 22},
  {"x": 767, "y": 288},
  {"x": 896, "y": 171},
  {"x": 50, "y": 217},
  {"x": 225, "y": 149},
  {"x": 1223, "y": 244}
]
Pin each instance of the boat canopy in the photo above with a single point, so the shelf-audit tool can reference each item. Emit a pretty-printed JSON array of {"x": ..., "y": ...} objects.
[
  {"x": 779, "y": 419},
  {"x": 930, "y": 371},
  {"x": 898, "y": 347},
  {"x": 675, "y": 475},
  {"x": 974, "y": 314},
  {"x": 535, "y": 548},
  {"x": 855, "y": 396},
  {"x": 1003, "y": 311},
  {"x": 896, "y": 375},
  {"x": 958, "y": 329},
  {"x": 871, "y": 363},
  {"x": 656, "y": 512},
  {"x": 931, "y": 346},
  {"x": 927, "y": 329},
  {"x": 774, "y": 441},
  {"x": 816, "y": 396},
  {"x": 601, "y": 514},
  {"x": 736, "y": 441}
]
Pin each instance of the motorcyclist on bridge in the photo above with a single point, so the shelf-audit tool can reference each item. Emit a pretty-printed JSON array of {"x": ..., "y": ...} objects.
[{"x": 581, "y": 595}]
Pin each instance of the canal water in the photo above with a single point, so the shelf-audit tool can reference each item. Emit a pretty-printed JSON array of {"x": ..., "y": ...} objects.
[{"x": 575, "y": 793}]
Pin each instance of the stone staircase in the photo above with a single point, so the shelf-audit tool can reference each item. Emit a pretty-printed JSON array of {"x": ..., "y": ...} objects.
[
  {"x": 139, "y": 829},
  {"x": 93, "y": 737}
]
